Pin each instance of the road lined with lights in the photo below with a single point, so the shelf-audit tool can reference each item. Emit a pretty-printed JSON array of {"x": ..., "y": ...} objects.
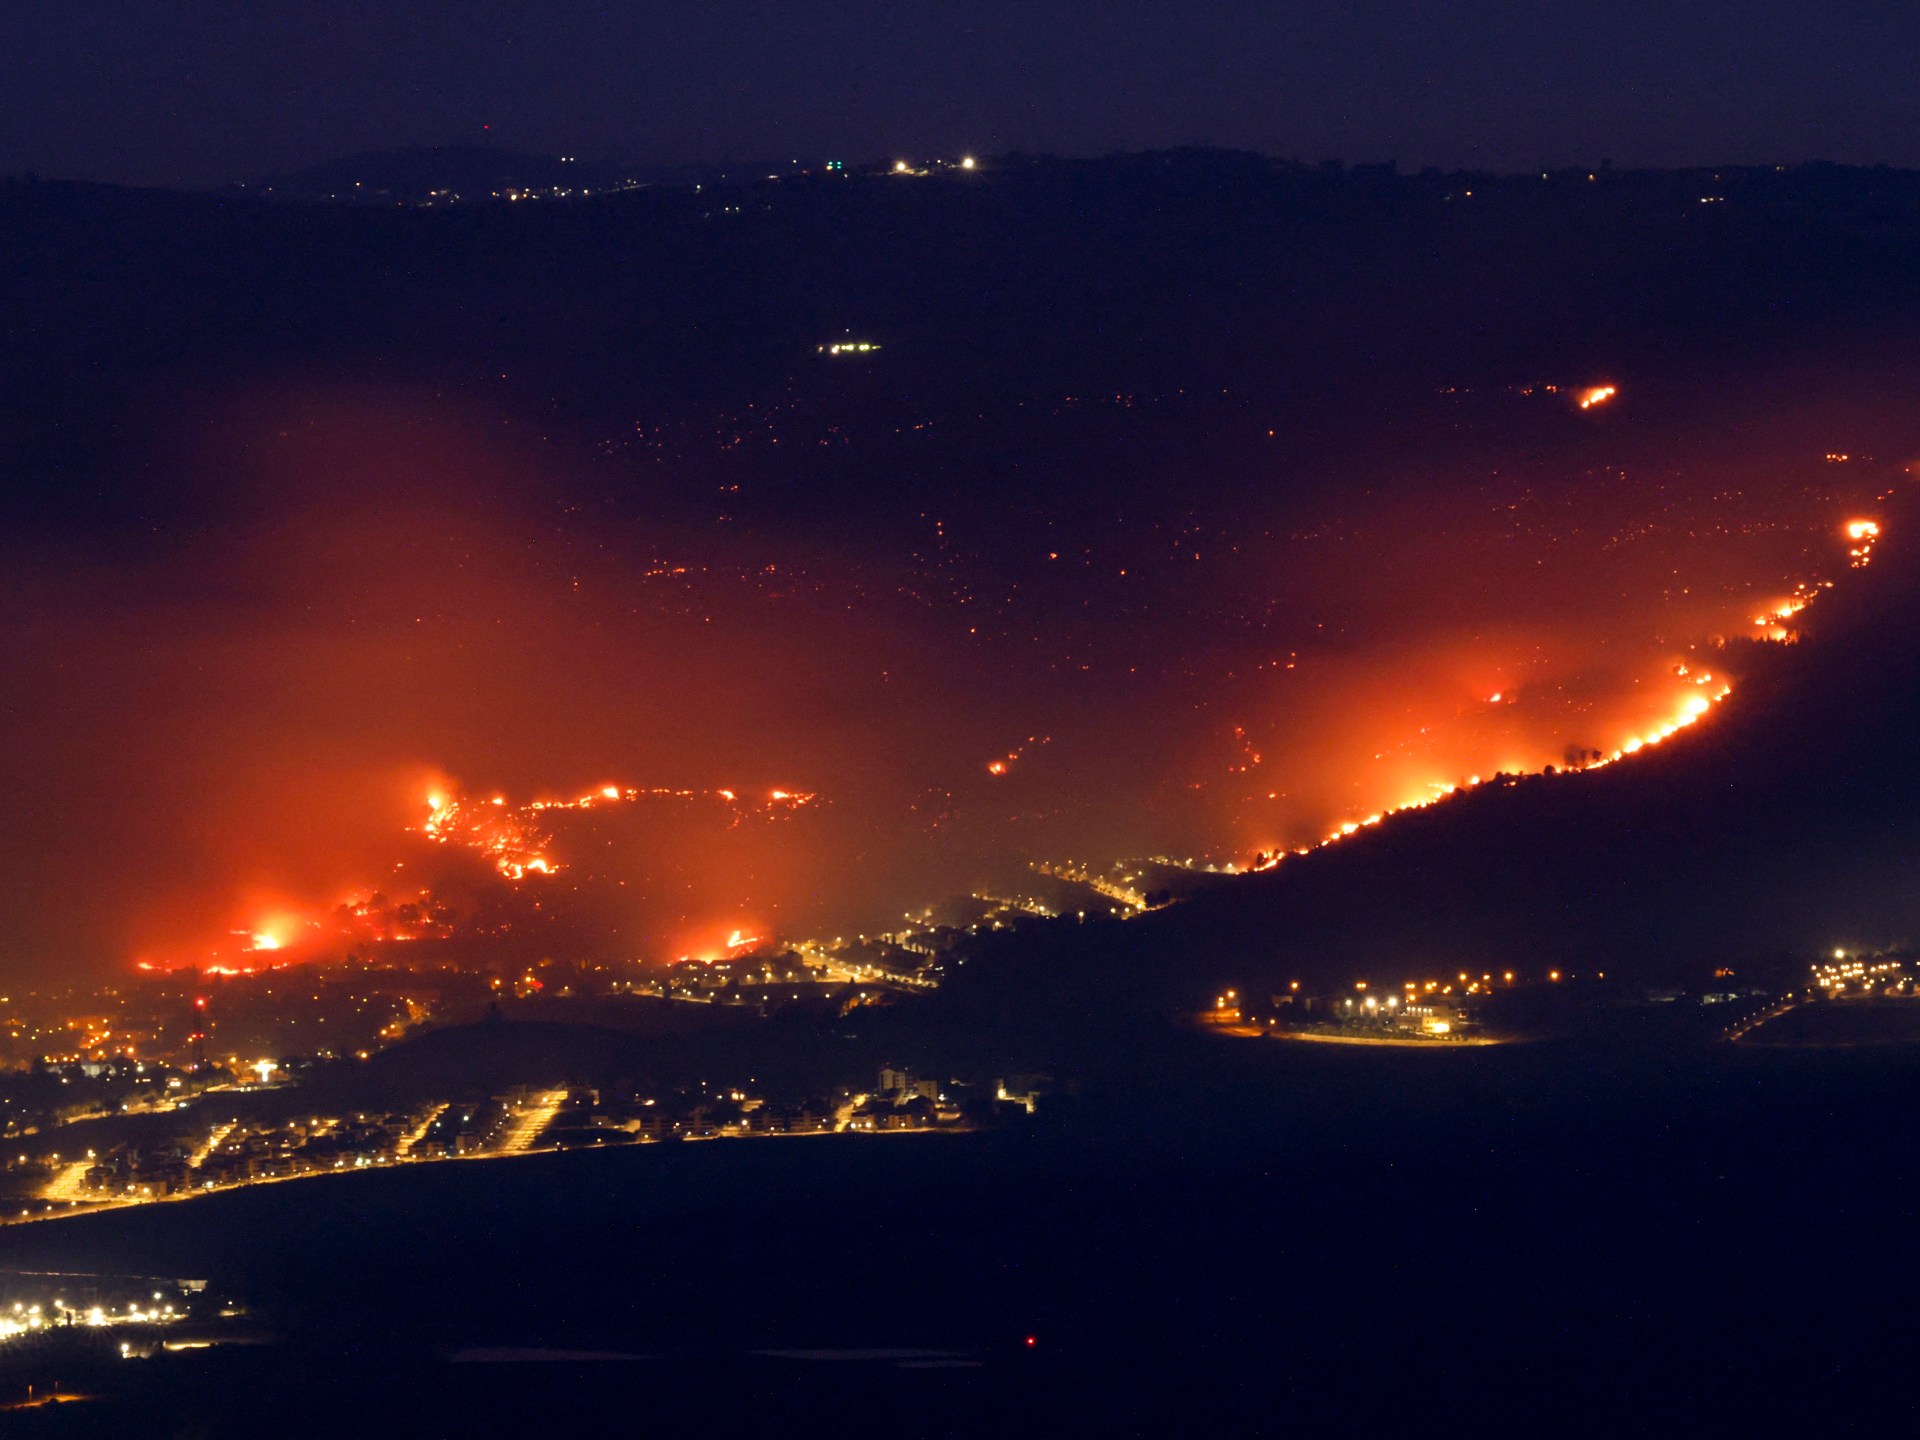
[{"x": 528, "y": 1125}]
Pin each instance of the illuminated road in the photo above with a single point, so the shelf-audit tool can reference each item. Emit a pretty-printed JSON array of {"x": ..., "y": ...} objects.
[
  {"x": 1450, "y": 1043},
  {"x": 69, "y": 1186},
  {"x": 528, "y": 1124},
  {"x": 822, "y": 962},
  {"x": 405, "y": 1147},
  {"x": 1772, "y": 1012},
  {"x": 220, "y": 1132},
  {"x": 1254, "y": 1032},
  {"x": 1099, "y": 884},
  {"x": 843, "y": 1116}
]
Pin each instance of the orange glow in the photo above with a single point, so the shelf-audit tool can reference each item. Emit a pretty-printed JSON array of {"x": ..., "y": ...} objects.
[
  {"x": 1003, "y": 764},
  {"x": 1862, "y": 534},
  {"x": 518, "y": 842},
  {"x": 1696, "y": 702},
  {"x": 1691, "y": 708},
  {"x": 1596, "y": 395},
  {"x": 710, "y": 944}
]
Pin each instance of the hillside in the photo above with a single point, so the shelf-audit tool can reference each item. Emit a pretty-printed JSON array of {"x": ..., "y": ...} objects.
[
  {"x": 1786, "y": 824},
  {"x": 451, "y": 174}
]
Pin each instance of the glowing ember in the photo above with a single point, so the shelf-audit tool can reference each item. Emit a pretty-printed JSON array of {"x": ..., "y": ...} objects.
[
  {"x": 1596, "y": 395},
  {"x": 1003, "y": 764}
]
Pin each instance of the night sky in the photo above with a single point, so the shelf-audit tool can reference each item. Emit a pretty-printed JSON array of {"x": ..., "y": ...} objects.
[{"x": 201, "y": 92}]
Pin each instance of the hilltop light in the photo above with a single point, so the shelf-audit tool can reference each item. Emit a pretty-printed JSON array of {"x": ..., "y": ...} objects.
[
  {"x": 966, "y": 162},
  {"x": 900, "y": 167}
]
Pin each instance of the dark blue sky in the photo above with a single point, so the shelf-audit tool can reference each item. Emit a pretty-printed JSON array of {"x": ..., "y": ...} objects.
[{"x": 204, "y": 91}]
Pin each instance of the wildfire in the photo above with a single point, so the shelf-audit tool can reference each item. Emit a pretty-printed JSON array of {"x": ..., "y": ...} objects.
[
  {"x": 708, "y": 946},
  {"x": 1003, "y": 764},
  {"x": 1596, "y": 395},
  {"x": 516, "y": 847},
  {"x": 513, "y": 838},
  {"x": 1861, "y": 534},
  {"x": 1692, "y": 708},
  {"x": 273, "y": 931}
]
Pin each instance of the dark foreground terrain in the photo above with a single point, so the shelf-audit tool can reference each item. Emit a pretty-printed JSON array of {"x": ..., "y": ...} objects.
[{"x": 1568, "y": 1238}]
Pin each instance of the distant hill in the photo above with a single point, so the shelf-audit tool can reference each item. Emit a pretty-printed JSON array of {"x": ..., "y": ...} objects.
[{"x": 449, "y": 174}]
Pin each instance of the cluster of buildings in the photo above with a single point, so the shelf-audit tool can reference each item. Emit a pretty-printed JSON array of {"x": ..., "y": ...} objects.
[
  {"x": 248, "y": 1151},
  {"x": 190, "y": 1019},
  {"x": 901, "y": 1100},
  {"x": 237, "y": 1152},
  {"x": 592, "y": 1117},
  {"x": 134, "y": 1316},
  {"x": 1845, "y": 973},
  {"x": 32, "y": 1303}
]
